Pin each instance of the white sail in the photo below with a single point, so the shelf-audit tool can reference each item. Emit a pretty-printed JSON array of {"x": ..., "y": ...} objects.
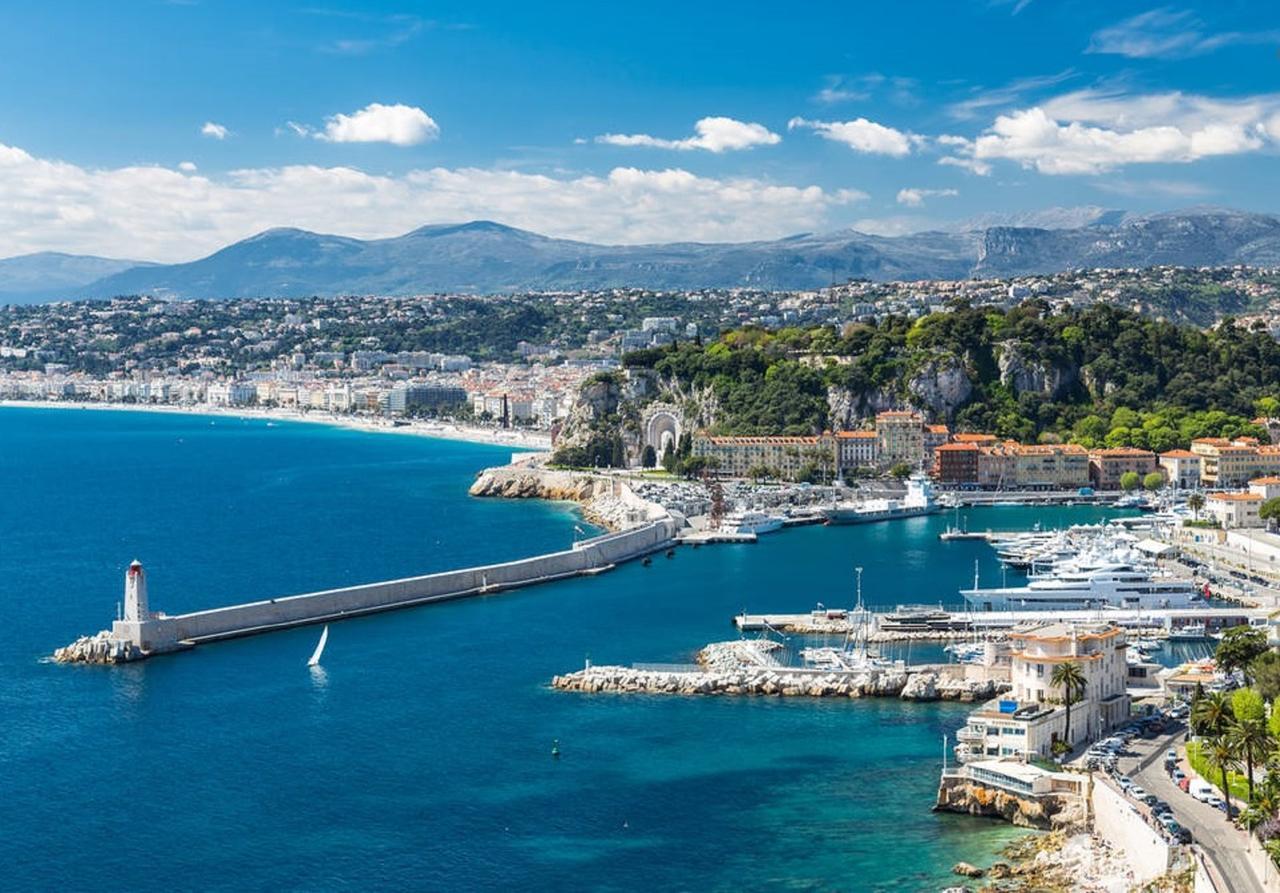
[{"x": 324, "y": 637}]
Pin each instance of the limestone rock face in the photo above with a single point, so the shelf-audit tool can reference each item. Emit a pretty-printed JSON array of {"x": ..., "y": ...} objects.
[
  {"x": 1045, "y": 813},
  {"x": 1024, "y": 375},
  {"x": 921, "y": 687},
  {"x": 941, "y": 385}
]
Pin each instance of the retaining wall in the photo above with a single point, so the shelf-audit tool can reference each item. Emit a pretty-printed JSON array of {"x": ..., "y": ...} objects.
[
  {"x": 1116, "y": 820},
  {"x": 600, "y": 552}
]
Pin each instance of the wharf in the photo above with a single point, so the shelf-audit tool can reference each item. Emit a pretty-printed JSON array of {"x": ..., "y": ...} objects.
[
  {"x": 943, "y": 624},
  {"x": 705, "y": 537}
]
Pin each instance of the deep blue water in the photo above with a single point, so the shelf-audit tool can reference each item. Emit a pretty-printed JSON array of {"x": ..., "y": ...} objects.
[{"x": 421, "y": 758}]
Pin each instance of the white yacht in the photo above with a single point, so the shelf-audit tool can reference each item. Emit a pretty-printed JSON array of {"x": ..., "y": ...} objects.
[
  {"x": 918, "y": 501},
  {"x": 751, "y": 522},
  {"x": 1089, "y": 585}
]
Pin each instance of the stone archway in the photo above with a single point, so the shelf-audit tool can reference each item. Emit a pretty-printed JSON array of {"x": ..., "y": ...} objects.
[{"x": 663, "y": 425}]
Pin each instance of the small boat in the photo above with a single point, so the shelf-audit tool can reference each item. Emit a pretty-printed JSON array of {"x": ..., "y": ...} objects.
[
  {"x": 1192, "y": 632},
  {"x": 324, "y": 638}
]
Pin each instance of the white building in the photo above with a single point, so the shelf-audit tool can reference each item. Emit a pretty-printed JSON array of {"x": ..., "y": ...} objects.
[
  {"x": 1030, "y": 718},
  {"x": 1234, "y": 509}
]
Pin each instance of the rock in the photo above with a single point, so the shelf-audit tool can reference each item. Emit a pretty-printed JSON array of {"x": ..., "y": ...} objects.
[
  {"x": 921, "y": 687},
  {"x": 964, "y": 869}
]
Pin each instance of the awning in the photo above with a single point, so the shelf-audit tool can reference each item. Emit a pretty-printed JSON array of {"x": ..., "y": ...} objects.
[{"x": 1155, "y": 547}]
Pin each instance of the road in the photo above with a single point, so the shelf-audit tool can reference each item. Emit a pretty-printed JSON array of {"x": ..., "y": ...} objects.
[{"x": 1222, "y": 842}]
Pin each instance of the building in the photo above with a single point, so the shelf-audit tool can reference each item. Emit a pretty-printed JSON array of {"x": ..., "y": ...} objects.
[
  {"x": 1181, "y": 469},
  {"x": 1050, "y": 466},
  {"x": 1234, "y": 509},
  {"x": 997, "y": 467},
  {"x": 416, "y": 397},
  {"x": 934, "y": 437},
  {"x": 857, "y": 449},
  {"x": 1030, "y": 718},
  {"x": 956, "y": 464},
  {"x": 977, "y": 439},
  {"x": 901, "y": 434},
  {"x": 1266, "y": 487},
  {"x": 1107, "y": 466},
  {"x": 785, "y": 456},
  {"x": 1231, "y": 463}
]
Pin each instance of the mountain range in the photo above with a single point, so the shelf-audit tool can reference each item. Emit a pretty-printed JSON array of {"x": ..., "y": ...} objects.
[{"x": 483, "y": 257}]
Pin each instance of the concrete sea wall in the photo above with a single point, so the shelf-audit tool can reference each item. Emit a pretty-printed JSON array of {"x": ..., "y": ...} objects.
[
  {"x": 162, "y": 633},
  {"x": 1115, "y": 819}
]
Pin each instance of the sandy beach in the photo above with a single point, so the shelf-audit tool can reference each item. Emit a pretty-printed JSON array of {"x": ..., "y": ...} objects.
[{"x": 515, "y": 438}]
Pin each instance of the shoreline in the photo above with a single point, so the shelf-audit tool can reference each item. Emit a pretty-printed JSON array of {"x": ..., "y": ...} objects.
[{"x": 527, "y": 441}]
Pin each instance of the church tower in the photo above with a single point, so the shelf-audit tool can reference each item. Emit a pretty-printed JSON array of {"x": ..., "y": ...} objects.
[{"x": 135, "y": 593}]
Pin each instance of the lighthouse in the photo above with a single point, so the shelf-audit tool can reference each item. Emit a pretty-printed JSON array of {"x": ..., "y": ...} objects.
[{"x": 135, "y": 593}]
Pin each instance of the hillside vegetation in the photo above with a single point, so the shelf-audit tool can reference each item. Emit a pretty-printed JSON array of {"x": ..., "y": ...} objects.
[{"x": 1097, "y": 376}]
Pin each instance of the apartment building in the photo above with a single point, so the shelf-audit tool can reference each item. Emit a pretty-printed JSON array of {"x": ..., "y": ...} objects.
[
  {"x": 1181, "y": 468},
  {"x": 857, "y": 449},
  {"x": 1231, "y": 463},
  {"x": 736, "y": 456},
  {"x": 1107, "y": 466},
  {"x": 901, "y": 435}
]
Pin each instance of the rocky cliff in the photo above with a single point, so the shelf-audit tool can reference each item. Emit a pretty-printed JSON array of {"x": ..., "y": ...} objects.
[
  {"x": 1044, "y": 812},
  {"x": 605, "y": 502}
]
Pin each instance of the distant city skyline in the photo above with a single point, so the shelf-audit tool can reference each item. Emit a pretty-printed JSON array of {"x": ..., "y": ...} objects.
[{"x": 165, "y": 130}]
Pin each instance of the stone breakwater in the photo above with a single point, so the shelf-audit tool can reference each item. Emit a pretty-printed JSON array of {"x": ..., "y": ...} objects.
[
  {"x": 605, "y": 501},
  {"x": 102, "y": 648},
  {"x": 911, "y": 684}
]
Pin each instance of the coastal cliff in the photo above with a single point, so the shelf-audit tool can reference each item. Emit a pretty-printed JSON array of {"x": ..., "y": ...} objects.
[
  {"x": 1046, "y": 812},
  {"x": 605, "y": 501}
]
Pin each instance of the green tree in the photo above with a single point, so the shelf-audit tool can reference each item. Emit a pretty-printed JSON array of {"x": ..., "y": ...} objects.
[
  {"x": 1222, "y": 756},
  {"x": 1265, "y": 670},
  {"x": 1211, "y": 715},
  {"x": 648, "y": 457},
  {"x": 1270, "y": 510},
  {"x": 1129, "y": 481},
  {"x": 1070, "y": 678},
  {"x": 1239, "y": 648},
  {"x": 901, "y": 471},
  {"x": 1248, "y": 734},
  {"x": 1195, "y": 502},
  {"x": 1153, "y": 481}
]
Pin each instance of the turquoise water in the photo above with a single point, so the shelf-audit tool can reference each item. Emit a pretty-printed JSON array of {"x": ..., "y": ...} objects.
[{"x": 420, "y": 759}]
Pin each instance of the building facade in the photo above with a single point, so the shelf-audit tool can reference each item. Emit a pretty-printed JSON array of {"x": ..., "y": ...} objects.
[
  {"x": 1107, "y": 466},
  {"x": 785, "y": 456},
  {"x": 1181, "y": 469},
  {"x": 901, "y": 434},
  {"x": 1234, "y": 509},
  {"x": 1030, "y": 718}
]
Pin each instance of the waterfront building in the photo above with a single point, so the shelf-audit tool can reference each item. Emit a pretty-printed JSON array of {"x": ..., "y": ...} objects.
[
  {"x": 1181, "y": 468},
  {"x": 1267, "y": 487},
  {"x": 787, "y": 456},
  {"x": 1031, "y": 717},
  {"x": 997, "y": 468},
  {"x": 956, "y": 464},
  {"x": 901, "y": 434},
  {"x": 1050, "y": 466},
  {"x": 1231, "y": 463},
  {"x": 406, "y": 398},
  {"x": 857, "y": 449},
  {"x": 934, "y": 437},
  {"x": 976, "y": 439},
  {"x": 1234, "y": 509},
  {"x": 1107, "y": 466}
]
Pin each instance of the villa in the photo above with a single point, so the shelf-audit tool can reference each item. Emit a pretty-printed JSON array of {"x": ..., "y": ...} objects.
[{"x": 1029, "y": 719}]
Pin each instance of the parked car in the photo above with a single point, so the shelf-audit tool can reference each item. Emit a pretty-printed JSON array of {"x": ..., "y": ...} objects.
[
  {"x": 1137, "y": 793},
  {"x": 1185, "y": 783},
  {"x": 1171, "y": 756},
  {"x": 1178, "y": 776}
]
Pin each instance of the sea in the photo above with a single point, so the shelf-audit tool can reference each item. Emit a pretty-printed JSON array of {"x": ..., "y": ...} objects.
[{"x": 420, "y": 756}]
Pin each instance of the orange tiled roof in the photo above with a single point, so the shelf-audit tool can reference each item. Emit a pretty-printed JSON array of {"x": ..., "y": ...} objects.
[
  {"x": 1236, "y": 497},
  {"x": 1179, "y": 454}
]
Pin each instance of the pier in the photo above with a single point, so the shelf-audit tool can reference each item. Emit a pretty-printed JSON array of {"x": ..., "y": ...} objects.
[
  {"x": 141, "y": 632},
  {"x": 942, "y": 624}
]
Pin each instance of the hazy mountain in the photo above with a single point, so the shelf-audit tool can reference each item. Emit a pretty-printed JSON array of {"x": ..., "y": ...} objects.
[
  {"x": 484, "y": 257},
  {"x": 49, "y": 275}
]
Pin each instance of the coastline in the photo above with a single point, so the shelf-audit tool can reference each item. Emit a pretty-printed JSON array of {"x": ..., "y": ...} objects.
[{"x": 518, "y": 439}]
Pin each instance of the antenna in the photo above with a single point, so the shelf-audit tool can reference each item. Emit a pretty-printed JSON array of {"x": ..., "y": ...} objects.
[{"x": 975, "y": 573}]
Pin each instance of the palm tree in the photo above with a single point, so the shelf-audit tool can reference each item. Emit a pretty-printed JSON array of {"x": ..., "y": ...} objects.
[
  {"x": 1250, "y": 739},
  {"x": 1071, "y": 678},
  {"x": 1222, "y": 756},
  {"x": 1211, "y": 715},
  {"x": 1195, "y": 502}
]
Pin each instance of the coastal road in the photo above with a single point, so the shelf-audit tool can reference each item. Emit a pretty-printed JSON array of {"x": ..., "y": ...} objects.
[{"x": 1222, "y": 842}]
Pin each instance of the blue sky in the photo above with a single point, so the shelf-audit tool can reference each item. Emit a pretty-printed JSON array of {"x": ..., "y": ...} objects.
[{"x": 163, "y": 130}]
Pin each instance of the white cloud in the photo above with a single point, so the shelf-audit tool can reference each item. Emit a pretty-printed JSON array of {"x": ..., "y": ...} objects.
[
  {"x": 1091, "y": 132},
  {"x": 187, "y": 167},
  {"x": 972, "y": 165},
  {"x": 399, "y": 125},
  {"x": 861, "y": 135},
  {"x": 159, "y": 213},
  {"x": 217, "y": 131},
  {"x": 1168, "y": 34},
  {"x": 714, "y": 134},
  {"x": 914, "y": 198}
]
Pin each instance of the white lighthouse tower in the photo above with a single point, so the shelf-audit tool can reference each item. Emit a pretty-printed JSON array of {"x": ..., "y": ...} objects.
[{"x": 135, "y": 593}]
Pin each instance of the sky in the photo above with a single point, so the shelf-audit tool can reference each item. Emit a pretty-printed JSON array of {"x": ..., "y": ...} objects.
[{"x": 165, "y": 129}]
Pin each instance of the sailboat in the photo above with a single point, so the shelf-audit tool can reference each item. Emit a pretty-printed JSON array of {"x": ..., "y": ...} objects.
[{"x": 315, "y": 658}]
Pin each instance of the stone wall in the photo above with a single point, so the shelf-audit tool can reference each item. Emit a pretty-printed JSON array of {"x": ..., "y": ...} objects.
[{"x": 1116, "y": 820}]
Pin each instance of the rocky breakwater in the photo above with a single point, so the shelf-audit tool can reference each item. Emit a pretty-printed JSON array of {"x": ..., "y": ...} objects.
[
  {"x": 726, "y": 668},
  {"x": 101, "y": 648},
  {"x": 605, "y": 501}
]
